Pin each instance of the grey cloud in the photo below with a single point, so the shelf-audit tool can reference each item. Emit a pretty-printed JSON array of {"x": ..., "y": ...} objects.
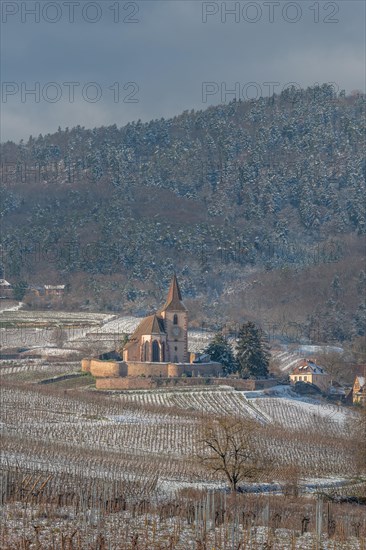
[{"x": 169, "y": 53}]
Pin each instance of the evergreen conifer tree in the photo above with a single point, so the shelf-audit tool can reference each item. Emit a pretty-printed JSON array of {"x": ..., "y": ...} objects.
[
  {"x": 19, "y": 290},
  {"x": 219, "y": 349},
  {"x": 252, "y": 352}
]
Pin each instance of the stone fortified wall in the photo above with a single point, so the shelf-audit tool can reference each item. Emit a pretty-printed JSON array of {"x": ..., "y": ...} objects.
[
  {"x": 134, "y": 369},
  {"x": 104, "y": 369},
  {"x": 194, "y": 369}
]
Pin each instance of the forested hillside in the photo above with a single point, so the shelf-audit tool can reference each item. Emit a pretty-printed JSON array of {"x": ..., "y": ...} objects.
[{"x": 257, "y": 205}]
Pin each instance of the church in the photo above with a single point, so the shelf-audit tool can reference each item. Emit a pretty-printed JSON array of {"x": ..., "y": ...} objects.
[
  {"x": 157, "y": 350},
  {"x": 162, "y": 337}
]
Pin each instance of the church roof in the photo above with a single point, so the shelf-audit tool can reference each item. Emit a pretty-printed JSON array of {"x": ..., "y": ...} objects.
[
  {"x": 155, "y": 326},
  {"x": 150, "y": 325},
  {"x": 174, "y": 299}
]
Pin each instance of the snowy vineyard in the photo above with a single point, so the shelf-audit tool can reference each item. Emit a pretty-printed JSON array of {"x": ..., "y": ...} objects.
[
  {"x": 86, "y": 470},
  {"x": 159, "y": 430}
]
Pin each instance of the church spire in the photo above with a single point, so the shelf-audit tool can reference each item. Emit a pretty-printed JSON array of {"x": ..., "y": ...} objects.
[{"x": 174, "y": 298}]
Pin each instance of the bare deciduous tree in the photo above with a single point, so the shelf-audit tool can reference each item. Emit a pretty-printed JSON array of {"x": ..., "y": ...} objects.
[
  {"x": 228, "y": 446},
  {"x": 91, "y": 349},
  {"x": 123, "y": 342},
  {"x": 336, "y": 365},
  {"x": 59, "y": 336}
]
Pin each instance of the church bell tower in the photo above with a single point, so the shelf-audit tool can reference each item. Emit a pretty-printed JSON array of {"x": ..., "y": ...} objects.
[{"x": 175, "y": 318}]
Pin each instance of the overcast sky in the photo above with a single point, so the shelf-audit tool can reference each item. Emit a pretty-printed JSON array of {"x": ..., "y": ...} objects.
[{"x": 106, "y": 62}]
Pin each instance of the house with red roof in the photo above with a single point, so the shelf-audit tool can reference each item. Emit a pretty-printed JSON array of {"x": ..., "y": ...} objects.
[
  {"x": 309, "y": 372},
  {"x": 359, "y": 391}
]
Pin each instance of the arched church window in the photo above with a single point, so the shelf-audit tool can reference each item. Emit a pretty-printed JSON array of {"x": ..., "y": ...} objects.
[
  {"x": 146, "y": 351},
  {"x": 155, "y": 352},
  {"x": 175, "y": 319}
]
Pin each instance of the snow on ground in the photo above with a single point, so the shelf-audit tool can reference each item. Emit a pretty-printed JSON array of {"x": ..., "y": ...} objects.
[
  {"x": 6, "y": 306},
  {"x": 320, "y": 349},
  {"x": 128, "y": 425},
  {"x": 111, "y": 332},
  {"x": 97, "y": 327},
  {"x": 279, "y": 404},
  {"x": 12, "y": 337},
  {"x": 82, "y": 328},
  {"x": 49, "y": 352},
  {"x": 140, "y": 417},
  {"x": 198, "y": 339},
  {"x": 306, "y": 485},
  {"x": 36, "y": 367},
  {"x": 120, "y": 325},
  {"x": 53, "y": 317},
  {"x": 75, "y": 325},
  {"x": 281, "y": 390},
  {"x": 288, "y": 358},
  {"x": 282, "y": 404},
  {"x": 122, "y": 529},
  {"x": 296, "y": 414}
]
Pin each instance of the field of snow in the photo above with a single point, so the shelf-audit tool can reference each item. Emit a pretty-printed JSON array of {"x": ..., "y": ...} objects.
[
  {"x": 114, "y": 329},
  {"x": 22, "y": 328},
  {"x": 153, "y": 431},
  {"x": 145, "y": 443},
  {"x": 159, "y": 428},
  {"x": 22, "y": 316},
  {"x": 15, "y": 369},
  {"x": 223, "y": 400},
  {"x": 40, "y": 329},
  {"x": 19, "y": 327},
  {"x": 10, "y": 305},
  {"x": 299, "y": 415}
]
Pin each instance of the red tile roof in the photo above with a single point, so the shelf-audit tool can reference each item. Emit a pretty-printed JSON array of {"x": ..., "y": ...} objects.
[
  {"x": 150, "y": 325},
  {"x": 308, "y": 366},
  {"x": 174, "y": 300}
]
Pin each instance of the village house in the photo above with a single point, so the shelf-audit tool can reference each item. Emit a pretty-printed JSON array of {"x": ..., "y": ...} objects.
[
  {"x": 6, "y": 290},
  {"x": 54, "y": 290},
  {"x": 34, "y": 290},
  {"x": 311, "y": 373},
  {"x": 359, "y": 391}
]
